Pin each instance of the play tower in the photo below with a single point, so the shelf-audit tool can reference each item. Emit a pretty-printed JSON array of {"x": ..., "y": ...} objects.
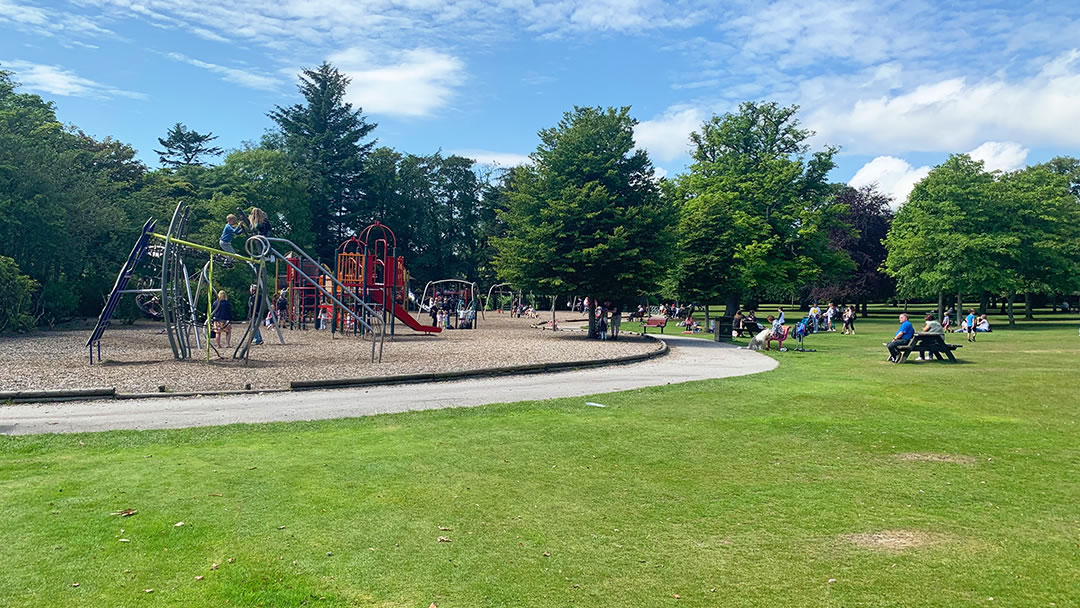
[{"x": 368, "y": 266}]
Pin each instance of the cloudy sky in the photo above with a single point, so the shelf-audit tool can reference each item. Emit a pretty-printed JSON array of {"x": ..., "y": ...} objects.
[{"x": 897, "y": 84}]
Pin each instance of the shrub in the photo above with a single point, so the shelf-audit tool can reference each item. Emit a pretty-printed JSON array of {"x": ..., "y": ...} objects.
[{"x": 16, "y": 297}]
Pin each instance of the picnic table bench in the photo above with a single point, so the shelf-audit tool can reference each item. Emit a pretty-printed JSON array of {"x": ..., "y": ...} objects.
[
  {"x": 930, "y": 343},
  {"x": 660, "y": 322}
]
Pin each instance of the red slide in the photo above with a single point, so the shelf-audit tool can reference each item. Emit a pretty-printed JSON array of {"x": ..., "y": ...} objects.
[
  {"x": 408, "y": 319},
  {"x": 405, "y": 317}
]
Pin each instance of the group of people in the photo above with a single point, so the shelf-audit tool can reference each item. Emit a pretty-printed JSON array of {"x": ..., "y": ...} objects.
[
  {"x": 444, "y": 309},
  {"x": 256, "y": 219}
]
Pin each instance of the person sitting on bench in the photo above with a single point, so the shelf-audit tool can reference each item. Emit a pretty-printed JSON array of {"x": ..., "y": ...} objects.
[
  {"x": 903, "y": 335},
  {"x": 931, "y": 327}
]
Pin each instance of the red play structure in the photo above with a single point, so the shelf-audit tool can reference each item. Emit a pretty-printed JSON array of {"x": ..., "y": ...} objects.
[{"x": 368, "y": 265}]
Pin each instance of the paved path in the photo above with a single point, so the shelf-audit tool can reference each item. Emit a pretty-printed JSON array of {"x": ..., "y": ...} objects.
[{"x": 689, "y": 359}]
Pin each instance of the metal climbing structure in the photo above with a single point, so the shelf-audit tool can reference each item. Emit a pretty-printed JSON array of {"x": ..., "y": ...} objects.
[{"x": 179, "y": 304}]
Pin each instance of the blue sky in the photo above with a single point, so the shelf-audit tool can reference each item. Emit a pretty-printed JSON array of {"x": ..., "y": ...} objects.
[{"x": 898, "y": 85}]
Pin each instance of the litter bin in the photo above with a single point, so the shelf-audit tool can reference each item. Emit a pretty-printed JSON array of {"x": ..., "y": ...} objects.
[{"x": 724, "y": 327}]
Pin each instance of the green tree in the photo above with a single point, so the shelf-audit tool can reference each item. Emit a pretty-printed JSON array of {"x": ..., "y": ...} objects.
[
  {"x": 755, "y": 212},
  {"x": 586, "y": 216},
  {"x": 866, "y": 215},
  {"x": 953, "y": 236},
  {"x": 1042, "y": 215},
  {"x": 16, "y": 297},
  {"x": 63, "y": 211},
  {"x": 323, "y": 138},
  {"x": 185, "y": 147}
]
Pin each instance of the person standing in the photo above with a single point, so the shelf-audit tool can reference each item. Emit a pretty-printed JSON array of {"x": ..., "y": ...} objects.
[
  {"x": 971, "y": 322},
  {"x": 831, "y": 314},
  {"x": 780, "y": 315},
  {"x": 814, "y": 312},
  {"x": 849, "y": 320},
  {"x": 221, "y": 316},
  {"x": 903, "y": 335},
  {"x": 616, "y": 321}
]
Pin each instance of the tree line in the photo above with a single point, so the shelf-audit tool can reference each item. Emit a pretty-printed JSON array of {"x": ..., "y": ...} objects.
[{"x": 754, "y": 217}]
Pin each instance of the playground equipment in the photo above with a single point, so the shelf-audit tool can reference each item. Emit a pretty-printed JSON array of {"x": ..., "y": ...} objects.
[
  {"x": 465, "y": 294},
  {"x": 179, "y": 306},
  {"x": 499, "y": 294},
  {"x": 368, "y": 268}
]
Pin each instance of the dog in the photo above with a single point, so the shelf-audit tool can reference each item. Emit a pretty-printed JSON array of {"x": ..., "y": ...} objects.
[{"x": 759, "y": 340}]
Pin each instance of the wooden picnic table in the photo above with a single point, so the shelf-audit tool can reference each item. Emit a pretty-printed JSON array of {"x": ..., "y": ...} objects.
[{"x": 930, "y": 343}]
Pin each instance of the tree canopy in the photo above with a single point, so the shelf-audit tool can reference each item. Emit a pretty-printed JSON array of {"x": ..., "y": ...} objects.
[
  {"x": 755, "y": 211},
  {"x": 586, "y": 216},
  {"x": 185, "y": 147},
  {"x": 324, "y": 138}
]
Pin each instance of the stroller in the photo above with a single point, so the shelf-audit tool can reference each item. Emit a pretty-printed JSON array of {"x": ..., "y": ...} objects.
[{"x": 802, "y": 329}]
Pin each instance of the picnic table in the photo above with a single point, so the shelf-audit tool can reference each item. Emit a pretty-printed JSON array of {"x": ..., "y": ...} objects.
[{"x": 934, "y": 344}]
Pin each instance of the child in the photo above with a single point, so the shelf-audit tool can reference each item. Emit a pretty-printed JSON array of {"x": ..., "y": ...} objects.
[
  {"x": 229, "y": 232},
  {"x": 222, "y": 318},
  {"x": 971, "y": 321}
]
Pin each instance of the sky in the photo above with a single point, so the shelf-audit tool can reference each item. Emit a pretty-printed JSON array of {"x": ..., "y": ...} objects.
[{"x": 897, "y": 85}]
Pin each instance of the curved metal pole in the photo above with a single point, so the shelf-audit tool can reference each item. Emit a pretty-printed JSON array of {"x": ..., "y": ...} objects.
[
  {"x": 367, "y": 308},
  {"x": 166, "y": 300}
]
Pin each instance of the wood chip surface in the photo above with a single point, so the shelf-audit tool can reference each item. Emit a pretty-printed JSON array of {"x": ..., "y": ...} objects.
[{"x": 137, "y": 357}]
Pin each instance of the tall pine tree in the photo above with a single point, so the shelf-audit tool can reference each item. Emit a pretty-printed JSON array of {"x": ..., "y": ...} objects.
[{"x": 324, "y": 138}]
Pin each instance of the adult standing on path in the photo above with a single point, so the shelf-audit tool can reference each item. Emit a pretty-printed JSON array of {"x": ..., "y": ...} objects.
[{"x": 903, "y": 335}]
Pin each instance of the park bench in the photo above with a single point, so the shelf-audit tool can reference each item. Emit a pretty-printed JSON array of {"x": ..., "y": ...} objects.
[
  {"x": 934, "y": 344},
  {"x": 660, "y": 322},
  {"x": 784, "y": 332}
]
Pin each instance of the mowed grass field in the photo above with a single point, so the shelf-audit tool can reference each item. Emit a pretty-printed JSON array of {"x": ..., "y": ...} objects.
[{"x": 836, "y": 480}]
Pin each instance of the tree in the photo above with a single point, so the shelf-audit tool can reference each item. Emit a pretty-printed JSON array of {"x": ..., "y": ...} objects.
[
  {"x": 586, "y": 216},
  {"x": 953, "y": 235},
  {"x": 866, "y": 216},
  {"x": 755, "y": 211},
  {"x": 184, "y": 147},
  {"x": 1043, "y": 216},
  {"x": 323, "y": 139}
]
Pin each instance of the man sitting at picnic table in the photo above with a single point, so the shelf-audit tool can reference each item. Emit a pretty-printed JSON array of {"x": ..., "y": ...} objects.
[
  {"x": 903, "y": 335},
  {"x": 932, "y": 327}
]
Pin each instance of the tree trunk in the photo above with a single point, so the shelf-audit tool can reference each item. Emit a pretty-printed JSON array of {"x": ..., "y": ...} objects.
[
  {"x": 984, "y": 303},
  {"x": 959, "y": 305},
  {"x": 706, "y": 316},
  {"x": 940, "y": 304},
  {"x": 1029, "y": 312},
  {"x": 864, "y": 308},
  {"x": 732, "y": 305},
  {"x": 1009, "y": 305}
]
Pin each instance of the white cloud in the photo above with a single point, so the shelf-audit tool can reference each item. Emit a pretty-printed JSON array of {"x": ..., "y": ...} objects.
[
  {"x": 1001, "y": 156},
  {"x": 234, "y": 75},
  {"x": 48, "y": 21},
  {"x": 893, "y": 176},
  {"x": 499, "y": 159},
  {"x": 667, "y": 137},
  {"x": 956, "y": 113},
  {"x": 56, "y": 80},
  {"x": 413, "y": 83}
]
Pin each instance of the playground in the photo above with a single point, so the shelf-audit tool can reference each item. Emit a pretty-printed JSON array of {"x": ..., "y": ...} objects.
[{"x": 137, "y": 357}]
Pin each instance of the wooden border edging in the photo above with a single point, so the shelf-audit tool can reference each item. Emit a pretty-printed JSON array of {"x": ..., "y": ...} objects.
[{"x": 75, "y": 394}]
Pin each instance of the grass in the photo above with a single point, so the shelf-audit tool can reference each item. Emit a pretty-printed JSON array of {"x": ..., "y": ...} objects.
[{"x": 735, "y": 492}]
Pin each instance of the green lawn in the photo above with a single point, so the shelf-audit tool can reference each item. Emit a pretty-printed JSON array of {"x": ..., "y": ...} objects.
[{"x": 964, "y": 481}]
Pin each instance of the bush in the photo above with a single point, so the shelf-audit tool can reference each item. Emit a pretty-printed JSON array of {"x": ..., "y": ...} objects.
[{"x": 16, "y": 297}]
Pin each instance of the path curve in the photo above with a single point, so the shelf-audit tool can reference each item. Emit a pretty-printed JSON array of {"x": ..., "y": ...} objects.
[{"x": 689, "y": 359}]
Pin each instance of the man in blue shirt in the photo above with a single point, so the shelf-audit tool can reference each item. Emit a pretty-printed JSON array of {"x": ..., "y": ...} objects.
[{"x": 903, "y": 335}]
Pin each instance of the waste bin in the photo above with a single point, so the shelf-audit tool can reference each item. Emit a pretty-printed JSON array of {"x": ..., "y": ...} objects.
[{"x": 724, "y": 327}]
